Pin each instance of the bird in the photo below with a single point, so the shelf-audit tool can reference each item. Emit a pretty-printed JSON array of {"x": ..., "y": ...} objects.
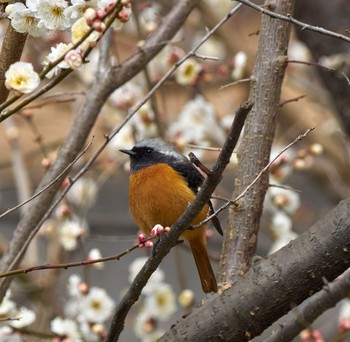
[{"x": 162, "y": 183}]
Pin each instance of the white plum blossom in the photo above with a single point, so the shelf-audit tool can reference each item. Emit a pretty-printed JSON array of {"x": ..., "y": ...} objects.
[
  {"x": 144, "y": 324},
  {"x": 68, "y": 232},
  {"x": 73, "y": 286},
  {"x": 127, "y": 95},
  {"x": 97, "y": 306},
  {"x": 78, "y": 8},
  {"x": 21, "y": 77},
  {"x": 83, "y": 193},
  {"x": 25, "y": 19},
  {"x": 144, "y": 123},
  {"x": 8, "y": 335},
  {"x": 79, "y": 29},
  {"x": 187, "y": 73},
  {"x": 156, "y": 278},
  {"x": 161, "y": 302},
  {"x": 282, "y": 199},
  {"x": 281, "y": 227},
  {"x": 56, "y": 53},
  {"x": 74, "y": 59},
  {"x": 24, "y": 317},
  {"x": 239, "y": 65},
  {"x": 124, "y": 139},
  {"x": 95, "y": 254},
  {"x": 52, "y": 16},
  {"x": 7, "y": 306},
  {"x": 197, "y": 124},
  {"x": 154, "y": 336},
  {"x": 67, "y": 328}
]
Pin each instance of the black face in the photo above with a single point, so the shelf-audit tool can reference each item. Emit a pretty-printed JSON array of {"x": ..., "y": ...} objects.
[{"x": 144, "y": 156}]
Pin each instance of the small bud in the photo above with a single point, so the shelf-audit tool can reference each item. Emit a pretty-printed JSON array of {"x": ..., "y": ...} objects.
[
  {"x": 66, "y": 182},
  {"x": 63, "y": 211},
  {"x": 157, "y": 230},
  {"x": 142, "y": 237},
  {"x": 46, "y": 163},
  {"x": 148, "y": 244},
  {"x": 100, "y": 14},
  {"x": 316, "y": 149},
  {"x": 299, "y": 164},
  {"x": 186, "y": 298},
  {"x": 123, "y": 16},
  {"x": 90, "y": 15},
  {"x": 83, "y": 288}
]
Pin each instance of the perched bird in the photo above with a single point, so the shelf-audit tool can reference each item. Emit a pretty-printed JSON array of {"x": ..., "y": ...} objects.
[{"x": 162, "y": 184}]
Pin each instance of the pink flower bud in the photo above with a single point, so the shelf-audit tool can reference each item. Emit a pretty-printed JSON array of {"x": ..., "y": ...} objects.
[
  {"x": 100, "y": 13},
  {"x": 74, "y": 59},
  {"x": 157, "y": 230},
  {"x": 148, "y": 244},
  {"x": 123, "y": 16},
  {"x": 142, "y": 237}
]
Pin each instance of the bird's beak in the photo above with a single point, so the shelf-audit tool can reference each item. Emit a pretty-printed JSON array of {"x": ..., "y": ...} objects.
[{"x": 129, "y": 152}]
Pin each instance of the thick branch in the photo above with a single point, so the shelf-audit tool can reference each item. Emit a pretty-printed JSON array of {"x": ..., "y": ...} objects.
[
  {"x": 287, "y": 276},
  {"x": 85, "y": 119},
  {"x": 254, "y": 150},
  {"x": 322, "y": 301},
  {"x": 11, "y": 52}
]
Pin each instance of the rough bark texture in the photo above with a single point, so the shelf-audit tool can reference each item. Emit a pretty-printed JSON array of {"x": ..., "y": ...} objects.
[
  {"x": 11, "y": 51},
  {"x": 332, "y": 16},
  {"x": 273, "y": 285},
  {"x": 254, "y": 151}
]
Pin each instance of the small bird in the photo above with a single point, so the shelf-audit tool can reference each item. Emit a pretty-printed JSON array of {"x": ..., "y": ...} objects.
[{"x": 161, "y": 186}]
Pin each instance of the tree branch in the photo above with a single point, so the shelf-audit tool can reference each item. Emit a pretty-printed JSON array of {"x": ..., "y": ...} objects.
[
  {"x": 288, "y": 18},
  {"x": 254, "y": 151},
  {"x": 288, "y": 276},
  {"x": 327, "y": 298}
]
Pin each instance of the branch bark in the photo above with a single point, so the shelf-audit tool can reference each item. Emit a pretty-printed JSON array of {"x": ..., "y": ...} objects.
[
  {"x": 288, "y": 276},
  {"x": 107, "y": 82},
  {"x": 254, "y": 151},
  {"x": 11, "y": 51}
]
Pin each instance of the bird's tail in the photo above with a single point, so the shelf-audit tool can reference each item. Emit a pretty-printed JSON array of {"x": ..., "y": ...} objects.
[{"x": 205, "y": 271}]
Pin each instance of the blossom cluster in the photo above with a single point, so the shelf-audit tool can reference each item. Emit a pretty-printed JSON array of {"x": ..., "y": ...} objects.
[
  {"x": 37, "y": 18},
  {"x": 68, "y": 225},
  {"x": 282, "y": 202},
  {"x": 13, "y": 318},
  {"x": 86, "y": 311}
]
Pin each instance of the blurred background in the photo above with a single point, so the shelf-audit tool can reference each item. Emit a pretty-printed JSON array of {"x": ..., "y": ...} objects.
[{"x": 193, "y": 110}]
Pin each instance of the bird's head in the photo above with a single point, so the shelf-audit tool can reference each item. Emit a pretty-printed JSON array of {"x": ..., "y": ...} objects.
[{"x": 152, "y": 151}]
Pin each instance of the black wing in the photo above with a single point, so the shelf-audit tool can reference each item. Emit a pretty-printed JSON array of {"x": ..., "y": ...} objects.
[
  {"x": 192, "y": 176},
  {"x": 194, "y": 180}
]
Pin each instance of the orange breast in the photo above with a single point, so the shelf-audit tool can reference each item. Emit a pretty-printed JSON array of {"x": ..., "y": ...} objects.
[{"x": 159, "y": 194}]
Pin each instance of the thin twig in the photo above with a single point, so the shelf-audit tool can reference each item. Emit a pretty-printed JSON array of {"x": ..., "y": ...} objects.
[
  {"x": 72, "y": 264},
  {"x": 265, "y": 169},
  {"x": 8, "y": 211},
  {"x": 328, "y": 297},
  {"x": 294, "y": 99},
  {"x": 234, "y": 83},
  {"x": 289, "y": 18}
]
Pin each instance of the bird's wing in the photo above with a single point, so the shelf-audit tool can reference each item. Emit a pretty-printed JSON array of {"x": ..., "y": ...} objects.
[{"x": 194, "y": 180}]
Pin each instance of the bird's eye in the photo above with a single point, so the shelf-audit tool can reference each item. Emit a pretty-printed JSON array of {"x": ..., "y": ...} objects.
[{"x": 149, "y": 150}]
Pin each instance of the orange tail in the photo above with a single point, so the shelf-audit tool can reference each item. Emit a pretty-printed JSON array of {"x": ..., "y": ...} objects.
[{"x": 205, "y": 271}]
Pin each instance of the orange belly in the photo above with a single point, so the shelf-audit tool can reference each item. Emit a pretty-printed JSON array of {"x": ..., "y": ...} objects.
[{"x": 159, "y": 195}]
